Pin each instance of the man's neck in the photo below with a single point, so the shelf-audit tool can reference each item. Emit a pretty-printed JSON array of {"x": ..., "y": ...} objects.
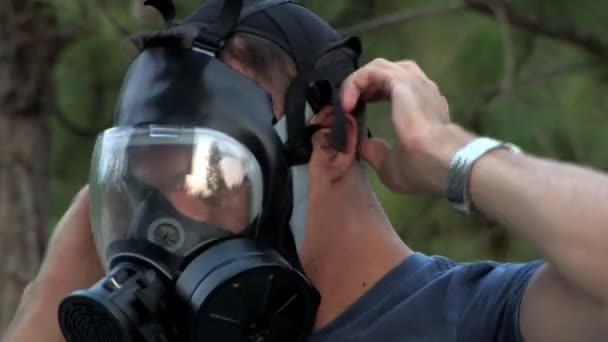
[{"x": 349, "y": 246}]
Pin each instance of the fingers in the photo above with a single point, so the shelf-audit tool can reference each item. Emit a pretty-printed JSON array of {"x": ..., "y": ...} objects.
[
  {"x": 323, "y": 118},
  {"x": 375, "y": 81},
  {"x": 374, "y": 151},
  {"x": 71, "y": 252},
  {"x": 417, "y": 110},
  {"x": 70, "y": 263},
  {"x": 81, "y": 197},
  {"x": 370, "y": 83},
  {"x": 76, "y": 219}
]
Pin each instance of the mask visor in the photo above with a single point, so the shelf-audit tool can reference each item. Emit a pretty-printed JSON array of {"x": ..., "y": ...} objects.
[{"x": 174, "y": 187}]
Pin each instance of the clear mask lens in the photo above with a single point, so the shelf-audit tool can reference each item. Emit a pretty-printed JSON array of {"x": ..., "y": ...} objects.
[{"x": 175, "y": 187}]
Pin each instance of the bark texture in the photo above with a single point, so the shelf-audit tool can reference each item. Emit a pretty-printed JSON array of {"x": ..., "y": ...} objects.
[{"x": 30, "y": 42}]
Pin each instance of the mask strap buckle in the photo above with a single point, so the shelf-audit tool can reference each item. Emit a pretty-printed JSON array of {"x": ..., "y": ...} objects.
[{"x": 211, "y": 39}]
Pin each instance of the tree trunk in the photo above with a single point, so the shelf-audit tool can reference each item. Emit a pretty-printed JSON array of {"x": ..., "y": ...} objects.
[{"x": 29, "y": 44}]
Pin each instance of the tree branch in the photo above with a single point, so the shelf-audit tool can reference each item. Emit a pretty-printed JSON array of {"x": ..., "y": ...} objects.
[
  {"x": 529, "y": 46},
  {"x": 577, "y": 36},
  {"x": 492, "y": 93},
  {"x": 102, "y": 8},
  {"x": 487, "y": 102},
  {"x": 75, "y": 129},
  {"x": 489, "y": 99},
  {"x": 97, "y": 115},
  {"x": 533, "y": 23},
  {"x": 401, "y": 17},
  {"x": 540, "y": 76},
  {"x": 507, "y": 47}
]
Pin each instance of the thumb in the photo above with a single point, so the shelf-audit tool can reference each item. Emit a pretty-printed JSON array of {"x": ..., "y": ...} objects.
[{"x": 374, "y": 151}]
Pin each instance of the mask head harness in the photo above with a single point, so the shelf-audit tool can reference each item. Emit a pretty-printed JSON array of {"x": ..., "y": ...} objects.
[
  {"x": 175, "y": 277},
  {"x": 303, "y": 35}
]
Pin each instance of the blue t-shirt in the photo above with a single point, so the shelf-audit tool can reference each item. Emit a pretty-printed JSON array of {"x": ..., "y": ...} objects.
[{"x": 433, "y": 299}]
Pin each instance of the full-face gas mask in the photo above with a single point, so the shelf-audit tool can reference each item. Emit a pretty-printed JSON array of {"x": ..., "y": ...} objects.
[{"x": 191, "y": 191}]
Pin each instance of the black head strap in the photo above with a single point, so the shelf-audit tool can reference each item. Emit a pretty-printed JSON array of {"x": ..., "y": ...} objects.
[
  {"x": 303, "y": 35},
  {"x": 326, "y": 80},
  {"x": 295, "y": 105},
  {"x": 212, "y": 37},
  {"x": 327, "y": 90},
  {"x": 212, "y": 33},
  {"x": 259, "y": 6}
]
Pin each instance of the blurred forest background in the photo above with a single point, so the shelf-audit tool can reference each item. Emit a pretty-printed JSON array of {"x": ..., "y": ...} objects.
[{"x": 529, "y": 71}]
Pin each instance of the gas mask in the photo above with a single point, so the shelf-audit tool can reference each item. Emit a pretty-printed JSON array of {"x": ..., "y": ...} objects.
[{"x": 192, "y": 189}]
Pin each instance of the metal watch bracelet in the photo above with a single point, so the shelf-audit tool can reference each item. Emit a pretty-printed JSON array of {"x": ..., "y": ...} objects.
[{"x": 459, "y": 172}]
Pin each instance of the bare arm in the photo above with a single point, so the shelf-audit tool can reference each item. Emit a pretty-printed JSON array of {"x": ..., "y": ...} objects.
[
  {"x": 561, "y": 209},
  {"x": 71, "y": 263}
]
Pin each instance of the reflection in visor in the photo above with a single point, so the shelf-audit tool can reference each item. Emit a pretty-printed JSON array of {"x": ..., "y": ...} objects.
[
  {"x": 212, "y": 174},
  {"x": 176, "y": 189},
  {"x": 203, "y": 184}
]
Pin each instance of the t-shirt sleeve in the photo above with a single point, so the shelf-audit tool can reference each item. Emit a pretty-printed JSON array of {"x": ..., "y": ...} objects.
[{"x": 494, "y": 294}]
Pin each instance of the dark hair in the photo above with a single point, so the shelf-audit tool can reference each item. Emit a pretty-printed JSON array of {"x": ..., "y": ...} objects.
[{"x": 264, "y": 62}]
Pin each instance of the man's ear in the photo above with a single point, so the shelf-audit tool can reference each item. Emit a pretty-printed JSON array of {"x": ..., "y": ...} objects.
[{"x": 335, "y": 164}]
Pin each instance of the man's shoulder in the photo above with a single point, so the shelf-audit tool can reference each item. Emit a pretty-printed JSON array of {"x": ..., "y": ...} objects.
[
  {"x": 477, "y": 301},
  {"x": 434, "y": 298},
  {"x": 476, "y": 279},
  {"x": 429, "y": 268},
  {"x": 481, "y": 267}
]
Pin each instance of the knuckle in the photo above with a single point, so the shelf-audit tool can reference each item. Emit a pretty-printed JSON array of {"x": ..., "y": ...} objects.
[
  {"x": 384, "y": 64},
  {"x": 377, "y": 72},
  {"x": 380, "y": 61},
  {"x": 349, "y": 79},
  {"x": 413, "y": 68},
  {"x": 82, "y": 194},
  {"x": 435, "y": 87},
  {"x": 357, "y": 77},
  {"x": 407, "y": 63}
]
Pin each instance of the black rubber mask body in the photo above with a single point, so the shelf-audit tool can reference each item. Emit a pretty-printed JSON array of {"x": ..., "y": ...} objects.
[
  {"x": 180, "y": 87},
  {"x": 159, "y": 222},
  {"x": 245, "y": 287},
  {"x": 239, "y": 288}
]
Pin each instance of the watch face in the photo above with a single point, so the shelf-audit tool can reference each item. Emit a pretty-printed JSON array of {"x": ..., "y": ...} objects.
[{"x": 167, "y": 233}]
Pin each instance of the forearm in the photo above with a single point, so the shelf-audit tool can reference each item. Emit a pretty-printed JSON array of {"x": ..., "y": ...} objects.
[
  {"x": 561, "y": 209},
  {"x": 36, "y": 318}
]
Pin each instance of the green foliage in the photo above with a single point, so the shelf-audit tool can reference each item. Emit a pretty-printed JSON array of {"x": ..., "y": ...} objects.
[
  {"x": 332, "y": 10},
  {"x": 560, "y": 115}
]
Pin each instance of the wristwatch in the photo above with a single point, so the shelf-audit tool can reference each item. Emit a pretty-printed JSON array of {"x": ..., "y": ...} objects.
[{"x": 459, "y": 172}]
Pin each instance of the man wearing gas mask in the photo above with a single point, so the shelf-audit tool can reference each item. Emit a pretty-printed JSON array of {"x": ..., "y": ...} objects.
[{"x": 224, "y": 210}]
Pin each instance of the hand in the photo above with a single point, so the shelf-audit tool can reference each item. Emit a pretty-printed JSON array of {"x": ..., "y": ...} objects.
[
  {"x": 71, "y": 263},
  {"x": 426, "y": 137},
  {"x": 72, "y": 260}
]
